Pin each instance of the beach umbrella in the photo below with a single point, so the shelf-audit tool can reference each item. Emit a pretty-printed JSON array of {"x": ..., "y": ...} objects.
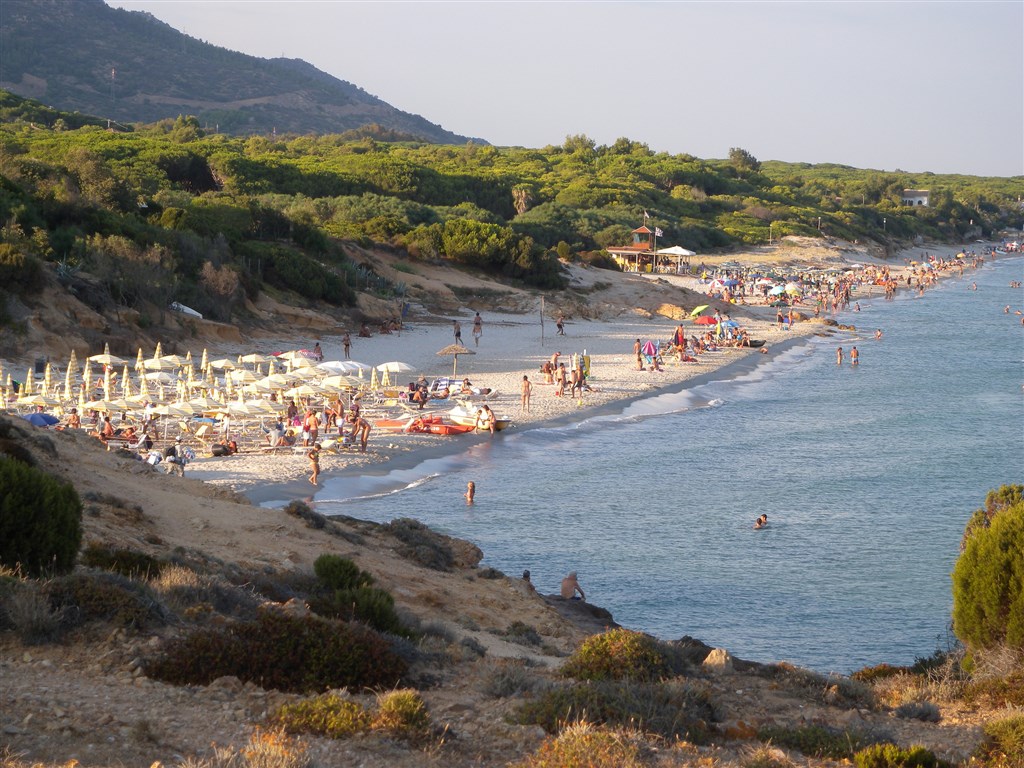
[
  {"x": 81, "y": 398},
  {"x": 303, "y": 390},
  {"x": 697, "y": 310},
  {"x": 140, "y": 361},
  {"x": 159, "y": 351},
  {"x": 455, "y": 350},
  {"x": 69, "y": 383},
  {"x": 307, "y": 372},
  {"x": 176, "y": 360},
  {"x": 44, "y": 400},
  {"x": 705, "y": 320},
  {"x": 101, "y": 405},
  {"x": 276, "y": 380},
  {"x": 107, "y": 359},
  {"x": 159, "y": 364},
  {"x": 373, "y": 379},
  {"x": 385, "y": 379},
  {"x": 255, "y": 358},
  {"x": 778, "y": 290},
  {"x": 206, "y": 403},
  {"x": 395, "y": 366},
  {"x": 335, "y": 367},
  {"x": 108, "y": 382},
  {"x": 47, "y": 379},
  {"x": 649, "y": 348},
  {"x": 27, "y": 385},
  {"x": 73, "y": 362},
  {"x": 263, "y": 405},
  {"x": 87, "y": 373},
  {"x": 223, "y": 364},
  {"x": 242, "y": 376},
  {"x": 341, "y": 380},
  {"x": 160, "y": 377},
  {"x": 126, "y": 383},
  {"x": 41, "y": 419},
  {"x": 204, "y": 362},
  {"x": 143, "y": 387}
]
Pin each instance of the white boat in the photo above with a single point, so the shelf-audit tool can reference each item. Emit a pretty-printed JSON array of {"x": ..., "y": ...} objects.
[{"x": 466, "y": 414}]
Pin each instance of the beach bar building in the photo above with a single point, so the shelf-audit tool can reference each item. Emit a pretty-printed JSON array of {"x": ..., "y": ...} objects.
[
  {"x": 914, "y": 197},
  {"x": 641, "y": 255}
]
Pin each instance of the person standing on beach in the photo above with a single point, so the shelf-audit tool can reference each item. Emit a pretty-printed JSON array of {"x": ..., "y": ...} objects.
[
  {"x": 310, "y": 427},
  {"x": 560, "y": 380},
  {"x": 346, "y": 342},
  {"x": 524, "y": 405},
  {"x": 360, "y": 428},
  {"x": 560, "y": 325},
  {"x": 457, "y": 330},
  {"x": 854, "y": 356},
  {"x": 314, "y": 463},
  {"x": 638, "y": 355},
  {"x": 478, "y": 329},
  {"x": 839, "y": 356}
]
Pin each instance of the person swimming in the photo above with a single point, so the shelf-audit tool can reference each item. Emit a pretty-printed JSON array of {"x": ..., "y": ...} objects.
[{"x": 761, "y": 522}]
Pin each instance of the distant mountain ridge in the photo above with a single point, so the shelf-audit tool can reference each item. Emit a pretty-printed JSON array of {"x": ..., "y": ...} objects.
[{"x": 128, "y": 66}]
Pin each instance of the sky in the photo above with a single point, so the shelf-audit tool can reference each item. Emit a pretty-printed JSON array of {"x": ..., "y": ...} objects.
[{"x": 888, "y": 85}]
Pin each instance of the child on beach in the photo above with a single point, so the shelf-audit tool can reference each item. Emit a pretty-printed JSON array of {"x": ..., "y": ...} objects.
[{"x": 314, "y": 463}]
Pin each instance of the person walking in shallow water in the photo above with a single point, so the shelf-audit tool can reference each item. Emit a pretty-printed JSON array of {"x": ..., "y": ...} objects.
[
  {"x": 854, "y": 356},
  {"x": 478, "y": 329},
  {"x": 839, "y": 356},
  {"x": 314, "y": 463}
]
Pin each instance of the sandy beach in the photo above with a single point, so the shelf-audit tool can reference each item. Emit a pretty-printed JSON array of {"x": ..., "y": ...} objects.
[{"x": 514, "y": 345}]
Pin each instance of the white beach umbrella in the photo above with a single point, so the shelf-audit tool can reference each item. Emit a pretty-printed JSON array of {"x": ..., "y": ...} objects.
[{"x": 223, "y": 364}]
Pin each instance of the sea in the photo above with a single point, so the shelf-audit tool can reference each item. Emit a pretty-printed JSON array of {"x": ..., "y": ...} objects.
[{"x": 867, "y": 474}]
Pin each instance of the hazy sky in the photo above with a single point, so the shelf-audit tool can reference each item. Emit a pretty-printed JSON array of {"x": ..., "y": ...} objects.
[{"x": 916, "y": 86}]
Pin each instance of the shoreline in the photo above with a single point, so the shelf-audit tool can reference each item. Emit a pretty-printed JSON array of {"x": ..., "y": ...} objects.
[{"x": 273, "y": 481}]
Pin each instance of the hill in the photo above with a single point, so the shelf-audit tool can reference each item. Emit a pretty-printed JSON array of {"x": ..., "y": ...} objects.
[{"x": 127, "y": 66}]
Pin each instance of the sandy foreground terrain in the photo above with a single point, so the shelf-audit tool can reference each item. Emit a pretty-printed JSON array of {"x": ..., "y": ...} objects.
[{"x": 88, "y": 700}]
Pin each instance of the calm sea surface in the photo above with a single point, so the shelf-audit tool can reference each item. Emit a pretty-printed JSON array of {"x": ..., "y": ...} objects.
[{"x": 867, "y": 475}]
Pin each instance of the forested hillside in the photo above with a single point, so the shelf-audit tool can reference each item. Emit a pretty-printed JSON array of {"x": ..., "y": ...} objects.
[
  {"x": 130, "y": 67},
  {"x": 165, "y": 213}
]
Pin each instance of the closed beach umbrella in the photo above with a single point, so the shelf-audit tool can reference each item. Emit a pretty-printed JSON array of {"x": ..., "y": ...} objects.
[
  {"x": 108, "y": 383},
  {"x": 140, "y": 361},
  {"x": 455, "y": 350},
  {"x": 73, "y": 363},
  {"x": 87, "y": 374},
  {"x": 47, "y": 379},
  {"x": 28, "y": 385},
  {"x": 204, "y": 362},
  {"x": 143, "y": 388},
  {"x": 69, "y": 383}
]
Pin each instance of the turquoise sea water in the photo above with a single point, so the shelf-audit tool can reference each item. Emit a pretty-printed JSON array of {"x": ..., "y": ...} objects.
[{"x": 867, "y": 475}]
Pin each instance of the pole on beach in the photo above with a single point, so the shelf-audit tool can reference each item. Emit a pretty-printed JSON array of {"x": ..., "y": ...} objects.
[{"x": 542, "y": 321}]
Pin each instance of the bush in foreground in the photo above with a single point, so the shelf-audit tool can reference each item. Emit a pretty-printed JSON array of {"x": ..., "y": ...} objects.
[
  {"x": 666, "y": 709},
  {"x": 40, "y": 520},
  {"x": 617, "y": 655},
  {"x": 988, "y": 579},
  {"x": 328, "y": 715},
  {"x": 583, "y": 744},
  {"x": 127, "y": 562},
  {"x": 1003, "y": 744},
  {"x": 891, "y": 756},
  {"x": 815, "y": 740},
  {"x": 288, "y": 653}
]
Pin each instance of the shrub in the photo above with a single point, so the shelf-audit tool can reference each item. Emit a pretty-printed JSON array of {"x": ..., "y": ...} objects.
[
  {"x": 878, "y": 672},
  {"x": 402, "y": 713},
  {"x": 370, "y": 605},
  {"x": 328, "y": 715},
  {"x": 583, "y": 744},
  {"x": 126, "y": 562},
  {"x": 988, "y": 579},
  {"x": 302, "y": 511},
  {"x": 891, "y": 756},
  {"x": 289, "y": 653},
  {"x": 266, "y": 749},
  {"x": 767, "y": 757},
  {"x": 507, "y": 677},
  {"x": 1003, "y": 744},
  {"x": 522, "y": 633},
  {"x": 339, "y": 573},
  {"x": 924, "y": 711},
  {"x": 422, "y": 545},
  {"x": 104, "y": 597},
  {"x": 187, "y": 592},
  {"x": 814, "y": 740},
  {"x": 28, "y": 611},
  {"x": 1001, "y": 691},
  {"x": 616, "y": 655},
  {"x": 40, "y": 520},
  {"x": 668, "y": 709}
]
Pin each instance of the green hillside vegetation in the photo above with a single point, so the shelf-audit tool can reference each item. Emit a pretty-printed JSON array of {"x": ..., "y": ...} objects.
[{"x": 167, "y": 213}]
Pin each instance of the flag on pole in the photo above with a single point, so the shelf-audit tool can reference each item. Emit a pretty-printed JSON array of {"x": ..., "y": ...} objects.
[
  {"x": 658, "y": 232},
  {"x": 646, "y": 215}
]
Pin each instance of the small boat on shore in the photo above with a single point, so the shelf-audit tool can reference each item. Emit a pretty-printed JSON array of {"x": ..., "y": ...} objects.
[{"x": 465, "y": 414}]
